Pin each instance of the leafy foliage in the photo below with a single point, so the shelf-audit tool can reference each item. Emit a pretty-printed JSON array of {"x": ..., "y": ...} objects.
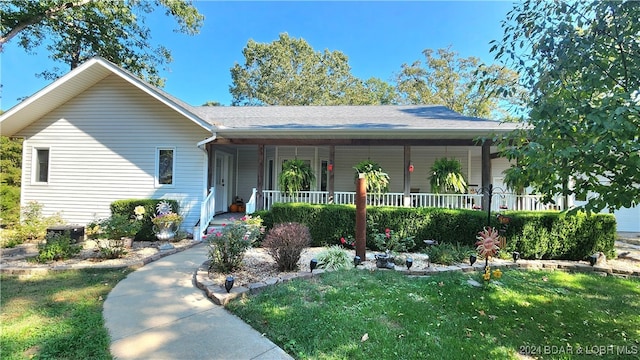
[
  {"x": 449, "y": 253},
  {"x": 446, "y": 176},
  {"x": 227, "y": 246},
  {"x": 580, "y": 62},
  {"x": 111, "y": 249},
  {"x": 334, "y": 258},
  {"x": 288, "y": 71},
  {"x": 377, "y": 178},
  {"x": 462, "y": 84},
  {"x": 10, "y": 180},
  {"x": 561, "y": 235},
  {"x": 57, "y": 247},
  {"x": 391, "y": 241},
  {"x": 34, "y": 225},
  {"x": 127, "y": 207},
  {"x": 115, "y": 227},
  {"x": 285, "y": 243},
  {"x": 296, "y": 175},
  {"x": 74, "y": 31}
]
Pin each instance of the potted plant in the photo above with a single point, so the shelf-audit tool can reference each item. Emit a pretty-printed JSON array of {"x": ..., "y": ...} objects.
[
  {"x": 447, "y": 177},
  {"x": 166, "y": 222},
  {"x": 296, "y": 175},
  {"x": 377, "y": 179}
]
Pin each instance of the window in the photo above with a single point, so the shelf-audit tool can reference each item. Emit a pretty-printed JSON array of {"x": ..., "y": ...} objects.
[
  {"x": 41, "y": 165},
  {"x": 165, "y": 166},
  {"x": 324, "y": 175}
]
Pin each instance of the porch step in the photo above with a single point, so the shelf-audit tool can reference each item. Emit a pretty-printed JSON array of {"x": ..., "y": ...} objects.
[{"x": 220, "y": 220}]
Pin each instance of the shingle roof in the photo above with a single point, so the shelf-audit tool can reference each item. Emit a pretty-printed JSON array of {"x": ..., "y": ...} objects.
[
  {"x": 417, "y": 117},
  {"x": 419, "y": 120}
]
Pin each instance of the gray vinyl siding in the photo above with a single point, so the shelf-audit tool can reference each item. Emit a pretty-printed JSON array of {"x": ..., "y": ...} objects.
[
  {"x": 103, "y": 148},
  {"x": 247, "y": 166}
]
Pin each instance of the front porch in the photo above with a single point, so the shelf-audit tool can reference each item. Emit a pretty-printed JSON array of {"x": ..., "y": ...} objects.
[{"x": 499, "y": 200}]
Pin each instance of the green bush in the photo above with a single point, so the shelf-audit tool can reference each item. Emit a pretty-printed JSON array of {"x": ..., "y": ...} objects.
[
  {"x": 391, "y": 241},
  {"x": 126, "y": 208},
  {"x": 111, "y": 249},
  {"x": 227, "y": 246},
  {"x": 34, "y": 225},
  {"x": 543, "y": 234},
  {"x": 334, "y": 258},
  {"x": 285, "y": 243},
  {"x": 57, "y": 247},
  {"x": 449, "y": 253}
]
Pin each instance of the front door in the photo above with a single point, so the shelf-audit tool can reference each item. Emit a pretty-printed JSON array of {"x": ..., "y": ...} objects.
[{"x": 222, "y": 183}]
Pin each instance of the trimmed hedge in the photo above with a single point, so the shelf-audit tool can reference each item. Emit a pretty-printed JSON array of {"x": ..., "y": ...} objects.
[
  {"x": 126, "y": 207},
  {"x": 536, "y": 235}
]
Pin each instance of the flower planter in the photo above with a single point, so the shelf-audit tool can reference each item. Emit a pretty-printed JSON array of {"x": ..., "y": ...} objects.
[
  {"x": 165, "y": 231},
  {"x": 127, "y": 242},
  {"x": 384, "y": 261}
]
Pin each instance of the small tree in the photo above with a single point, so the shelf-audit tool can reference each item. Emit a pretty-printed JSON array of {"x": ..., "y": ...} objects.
[{"x": 285, "y": 242}]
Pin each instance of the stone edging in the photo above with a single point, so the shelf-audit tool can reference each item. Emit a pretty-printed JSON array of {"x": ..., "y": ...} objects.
[
  {"x": 129, "y": 265},
  {"x": 220, "y": 296}
]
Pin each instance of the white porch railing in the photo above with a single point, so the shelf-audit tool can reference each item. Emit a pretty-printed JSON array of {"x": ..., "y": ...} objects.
[
  {"x": 499, "y": 201},
  {"x": 207, "y": 212},
  {"x": 250, "y": 206}
]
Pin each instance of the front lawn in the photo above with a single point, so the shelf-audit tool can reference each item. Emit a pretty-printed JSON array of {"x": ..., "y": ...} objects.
[
  {"x": 57, "y": 315},
  {"x": 358, "y": 314}
]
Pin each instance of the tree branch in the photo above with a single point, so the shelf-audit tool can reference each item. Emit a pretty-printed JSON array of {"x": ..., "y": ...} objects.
[{"x": 36, "y": 18}]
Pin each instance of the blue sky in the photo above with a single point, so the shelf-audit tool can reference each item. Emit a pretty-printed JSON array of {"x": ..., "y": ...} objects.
[{"x": 378, "y": 37}]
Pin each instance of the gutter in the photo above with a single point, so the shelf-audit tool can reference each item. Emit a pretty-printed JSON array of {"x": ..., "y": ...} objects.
[{"x": 202, "y": 144}]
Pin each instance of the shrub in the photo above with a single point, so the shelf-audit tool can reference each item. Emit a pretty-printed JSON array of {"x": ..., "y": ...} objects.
[
  {"x": 127, "y": 207},
  {"x": 227, "y": 246},
  {"x": 118, "y": 226},
  {"x": 391, "y": 241},
  {"x": 334, "y": 258},
  {"x": 112, "y": 249},
  {"x": 448, "y": 253},
  {"x": 285, "y": 242},
  {"x": 34, "y": 225},
  {"x": 57, "y": 247},
  {"x": 569, "y": 236}
]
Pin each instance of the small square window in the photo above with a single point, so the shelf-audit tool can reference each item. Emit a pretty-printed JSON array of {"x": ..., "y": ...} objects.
[
  {"x": 165, "y": 166},
  {"x": 42, "y": 165}
]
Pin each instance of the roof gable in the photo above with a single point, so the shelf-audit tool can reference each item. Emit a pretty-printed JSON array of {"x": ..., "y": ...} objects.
[{"x": 74, "y": 83}]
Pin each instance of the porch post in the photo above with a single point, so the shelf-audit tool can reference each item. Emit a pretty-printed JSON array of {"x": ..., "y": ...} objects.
[
  {"x": 407, "y": 176},
  {"x": 361, "y": 216},
  {"x": 259, "y": 200},
  {"x": 330, "y": 187},
  {"x": 486, "y": 174}
]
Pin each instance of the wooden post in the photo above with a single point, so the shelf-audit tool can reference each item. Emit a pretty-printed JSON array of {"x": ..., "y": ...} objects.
[{"x": 361, "y": 217}]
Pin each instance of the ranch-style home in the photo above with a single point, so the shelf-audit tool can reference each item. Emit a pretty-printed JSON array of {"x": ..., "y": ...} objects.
[{"x": 100, "y": 134}]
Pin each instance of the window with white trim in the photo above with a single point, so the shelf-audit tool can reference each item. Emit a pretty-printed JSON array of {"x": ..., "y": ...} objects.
[
  {"x": 41, "y": 165},
  {"x": 165, "y": 165}
]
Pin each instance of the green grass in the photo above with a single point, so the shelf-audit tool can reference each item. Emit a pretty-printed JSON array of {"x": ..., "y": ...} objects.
[
  {"x": 57, "y": 315},
  {"x": 443, "y": 317}
]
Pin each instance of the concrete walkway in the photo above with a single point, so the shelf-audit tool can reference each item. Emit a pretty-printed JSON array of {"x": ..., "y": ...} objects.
[{"x": 158, "y": 313}]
